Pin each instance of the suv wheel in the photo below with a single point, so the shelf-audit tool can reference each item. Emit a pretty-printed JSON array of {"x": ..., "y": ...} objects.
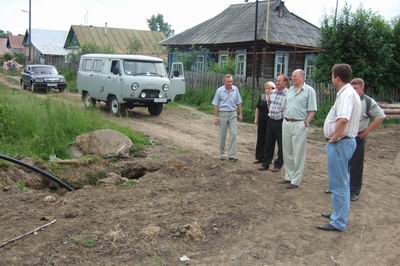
[
  {"x": 155, "y": 109},
  {"x": 23, "y": 85}
]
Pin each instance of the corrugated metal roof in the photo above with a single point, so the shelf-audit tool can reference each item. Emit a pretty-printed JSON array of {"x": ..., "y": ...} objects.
[
  {"x": 236, "y": 24},
  {"x": 15, "y": 42},
  {"x": 48, "y": 42},
  {"x": 116, "y": 38},
  {"x": 3, "y": 46}
]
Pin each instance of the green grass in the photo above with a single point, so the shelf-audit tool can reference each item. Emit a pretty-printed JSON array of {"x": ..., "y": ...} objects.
[
  {"x": 87, "y": 243},
  {"x": 40, "y": 127}
]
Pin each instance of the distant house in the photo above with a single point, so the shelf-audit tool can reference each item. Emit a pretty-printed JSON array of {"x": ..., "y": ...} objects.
[
  {"x": 3, "y": 46},
  {"x": 47, "y": 47},
  {"x": 120, "y": 41},
  {"x": 14, "y": 44},
  {"x": 284, "y": 41}
]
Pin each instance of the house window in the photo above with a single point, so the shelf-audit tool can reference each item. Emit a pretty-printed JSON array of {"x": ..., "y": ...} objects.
[
  {"x": 309, "y": 65},
  {"x": 241, "y": 65},
  {"x": 87, "y": 64},
  {"x": 98, "y": 65},
  {"x": 200, "y": 63},
  {"x": 223, "y": 58},
  {"x": 281, "y": 63}
]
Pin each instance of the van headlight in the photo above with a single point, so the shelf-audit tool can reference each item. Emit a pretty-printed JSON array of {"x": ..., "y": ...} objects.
[
  {"x": 160, "y": 95},
  {"x": 143, "y": 95},
  {"x": 135, "y": 86},
  {"x": 165, "y": 87}
]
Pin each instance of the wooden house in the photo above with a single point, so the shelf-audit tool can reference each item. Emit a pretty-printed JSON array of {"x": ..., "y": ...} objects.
[
  {"x": 117, "y": 40},
  {"x": 284, "y": 40}
]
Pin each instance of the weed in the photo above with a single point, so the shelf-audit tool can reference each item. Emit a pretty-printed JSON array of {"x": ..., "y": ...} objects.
[
  {"x": 21, "y": 185},
  {"x": 87, "y": 243},
  {"x": 129, "y": 183},
  {"x": 94, "y": 177}
]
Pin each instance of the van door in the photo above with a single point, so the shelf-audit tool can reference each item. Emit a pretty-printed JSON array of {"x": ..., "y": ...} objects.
[
  {"x": 177, "y": 77},
  {"x": 113, "y": 81}
]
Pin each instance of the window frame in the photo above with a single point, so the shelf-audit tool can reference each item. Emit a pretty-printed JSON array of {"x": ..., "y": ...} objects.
[
  {"x": 244, "y": 63},
  {"x": 285, "y": 55},
  {"x": 307, "y": 58}
]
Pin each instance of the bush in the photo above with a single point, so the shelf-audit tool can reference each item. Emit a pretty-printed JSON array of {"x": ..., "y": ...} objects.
[{"x": 70, "y": 76}]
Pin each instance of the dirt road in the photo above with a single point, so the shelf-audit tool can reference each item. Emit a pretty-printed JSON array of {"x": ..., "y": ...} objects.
[{"x": 215, "y": 213}]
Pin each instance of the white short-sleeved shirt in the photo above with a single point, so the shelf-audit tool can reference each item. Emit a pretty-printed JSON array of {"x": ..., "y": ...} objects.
[
  {"x": 227, "y": 100},
  {"x": 347, "y": 106}
]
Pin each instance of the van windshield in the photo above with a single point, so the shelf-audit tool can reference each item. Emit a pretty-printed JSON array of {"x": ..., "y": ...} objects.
[{"x": 145, "y": 68}]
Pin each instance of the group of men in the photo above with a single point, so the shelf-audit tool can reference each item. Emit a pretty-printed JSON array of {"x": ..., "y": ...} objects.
[{"x": 291, "y": 112}]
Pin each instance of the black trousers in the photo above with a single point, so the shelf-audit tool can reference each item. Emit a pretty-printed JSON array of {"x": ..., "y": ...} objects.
[
  {"x": 357, "y": 167},
  {"x": 261, "y": 135},
  {"x": 274, "y": 135}
]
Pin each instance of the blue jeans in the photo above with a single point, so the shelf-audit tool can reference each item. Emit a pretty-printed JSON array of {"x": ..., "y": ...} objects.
[{"x": 339, "y": 155}]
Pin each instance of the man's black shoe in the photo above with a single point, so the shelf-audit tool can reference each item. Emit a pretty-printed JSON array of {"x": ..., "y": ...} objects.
[
  {"x": 327, "y": 227},
  {"x": 276, "y": 169},
  {"x": 284, "y": 182},
  {"x": 354, "y": 197},
  {"x": 263, "y": 167},
  {"x": 291, "y": 186},
  {"x": 327, "y": 191},
  {"x": 233, "y": 159},
  {"x": 326, "y": 215}
]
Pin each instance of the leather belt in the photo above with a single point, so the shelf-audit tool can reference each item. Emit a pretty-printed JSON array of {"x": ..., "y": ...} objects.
[
  {"x": 345, "y": 137},
  {"x": 292, "y": 120}
]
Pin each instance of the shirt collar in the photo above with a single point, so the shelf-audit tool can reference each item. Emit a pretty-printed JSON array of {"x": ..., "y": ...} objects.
[{"x": 343, "y": 89}]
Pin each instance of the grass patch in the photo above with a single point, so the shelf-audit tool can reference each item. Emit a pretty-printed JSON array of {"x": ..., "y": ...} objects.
[
  {"x": 87, "y": 243},
  {"x": 37, "y": 127},
  {"x": 129, "y": 183},
  {"x": 21, "y": 185},
  {"x": 94, "y": 177}
]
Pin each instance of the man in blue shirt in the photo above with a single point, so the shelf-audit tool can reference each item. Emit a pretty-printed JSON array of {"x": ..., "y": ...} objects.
[{"x": 226, "y": 102}]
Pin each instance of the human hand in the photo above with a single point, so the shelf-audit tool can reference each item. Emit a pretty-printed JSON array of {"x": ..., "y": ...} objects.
[
  {"x": 363, "y": 134},
  {"x": 256, "y": 122},
  {"x": 240, "y": 117},
  {"x": 306, "y": 124},
  {"x": 216, "y": 121}
]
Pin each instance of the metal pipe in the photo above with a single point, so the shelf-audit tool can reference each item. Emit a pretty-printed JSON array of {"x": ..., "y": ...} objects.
[
  {"x": 33, "y": 168},
  {"x": 30, "y": 32},
  {"x": 254, "y": 58}
]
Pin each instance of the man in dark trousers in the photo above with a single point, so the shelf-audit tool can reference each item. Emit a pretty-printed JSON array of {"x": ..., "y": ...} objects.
[
  {"x": 274, "y": 127},
  {"x": 369, "y": 108}
]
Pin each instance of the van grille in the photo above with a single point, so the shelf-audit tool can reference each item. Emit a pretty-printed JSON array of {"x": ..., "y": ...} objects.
[{"x": 151, "y": 93}]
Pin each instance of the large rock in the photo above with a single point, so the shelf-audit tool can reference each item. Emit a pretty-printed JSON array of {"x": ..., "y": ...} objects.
[{"x": 104, "y": 142}]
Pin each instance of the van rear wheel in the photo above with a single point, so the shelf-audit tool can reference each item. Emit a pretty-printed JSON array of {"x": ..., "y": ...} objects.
[
  {"x": 87, "y": 100},
  {"x": 155, "y": 109}
]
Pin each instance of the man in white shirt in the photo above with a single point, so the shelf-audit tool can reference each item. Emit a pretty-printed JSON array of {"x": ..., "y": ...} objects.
[{"x": 340, "y": 129}]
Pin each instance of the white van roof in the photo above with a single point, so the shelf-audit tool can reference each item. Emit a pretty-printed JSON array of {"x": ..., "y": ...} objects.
[{"x": 123, "y": 56}]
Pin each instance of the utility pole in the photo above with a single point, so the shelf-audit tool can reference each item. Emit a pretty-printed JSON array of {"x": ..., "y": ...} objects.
[
  {"x": 30, "y": 32},
  {"x": 254, "y": 57},
  {"x": 336, "y": 11}
]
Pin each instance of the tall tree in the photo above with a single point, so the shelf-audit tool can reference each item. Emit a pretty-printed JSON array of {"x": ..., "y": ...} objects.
[
  {"x": 157, "y": 23},
  {"x": 362, "y": 39},
  {"x": 4, "y": 34}
]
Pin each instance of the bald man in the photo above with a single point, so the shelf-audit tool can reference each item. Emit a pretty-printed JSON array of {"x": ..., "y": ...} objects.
[{"x": 300, "y": 106}]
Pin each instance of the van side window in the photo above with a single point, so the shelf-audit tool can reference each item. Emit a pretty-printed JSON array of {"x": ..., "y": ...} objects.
[
  {"x": 98, "y": 65},
  {"x": 115, "y": 67},
  {"x": 87, "y": 64}
]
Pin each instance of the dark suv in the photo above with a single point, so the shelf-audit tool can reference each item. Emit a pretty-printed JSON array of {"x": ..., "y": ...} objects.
[{"x": 42, "y": 78}]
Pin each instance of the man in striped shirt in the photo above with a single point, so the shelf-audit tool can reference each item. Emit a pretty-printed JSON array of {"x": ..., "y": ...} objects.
[
  {"x": 274, "y": 127},
  {"x": 340, "y": 129}
]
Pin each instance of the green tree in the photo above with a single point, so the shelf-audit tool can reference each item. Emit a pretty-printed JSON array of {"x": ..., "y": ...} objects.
[
  {"x": 157, "y": 23},
  {"x": 4, "y": 34},
  {"x": 362, "y": 39},
  {"x": 396, "y": 51}
]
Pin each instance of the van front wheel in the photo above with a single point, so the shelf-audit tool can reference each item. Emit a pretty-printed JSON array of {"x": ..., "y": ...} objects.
[
  {"x": 155, "y": 109},
  {"x": 114, "y": 106}
]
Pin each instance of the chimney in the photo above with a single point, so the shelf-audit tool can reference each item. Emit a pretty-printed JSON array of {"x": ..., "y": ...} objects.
[
  {"x": 105, "y": 28},
  {"x": 280, "y": 8}
]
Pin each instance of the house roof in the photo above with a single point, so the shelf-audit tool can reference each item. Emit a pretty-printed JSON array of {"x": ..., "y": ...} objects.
[
  {"x": 116, "y": 38},
  {"x": 15, "y": 42},
  {"x": 236, "y": 24},
  {"x": 3, "y": 46},
  {"x": 49, "y": 42}
]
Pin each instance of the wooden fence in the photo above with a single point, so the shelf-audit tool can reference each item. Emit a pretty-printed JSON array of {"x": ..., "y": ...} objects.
[{"x": 325, "y": 91}]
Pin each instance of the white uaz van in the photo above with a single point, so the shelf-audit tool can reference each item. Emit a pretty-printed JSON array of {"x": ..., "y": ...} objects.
[{"x": 128, "y": 81}]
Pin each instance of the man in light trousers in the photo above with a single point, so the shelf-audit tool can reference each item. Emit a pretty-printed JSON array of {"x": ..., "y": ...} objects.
[
  {"x": 340, "y": 129},
  {"x": 300, "y": 106},
  {"x": 227, "y": 102}
]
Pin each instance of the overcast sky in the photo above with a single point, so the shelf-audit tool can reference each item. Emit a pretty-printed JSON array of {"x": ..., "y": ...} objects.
[{"x": 61, "y": 14}]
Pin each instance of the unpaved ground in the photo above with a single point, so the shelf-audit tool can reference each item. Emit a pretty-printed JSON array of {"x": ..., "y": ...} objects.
[{"x": 245, "y": 216}]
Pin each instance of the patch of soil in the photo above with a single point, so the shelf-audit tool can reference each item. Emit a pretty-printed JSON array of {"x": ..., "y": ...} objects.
[{"x": 215, "y": 213}]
